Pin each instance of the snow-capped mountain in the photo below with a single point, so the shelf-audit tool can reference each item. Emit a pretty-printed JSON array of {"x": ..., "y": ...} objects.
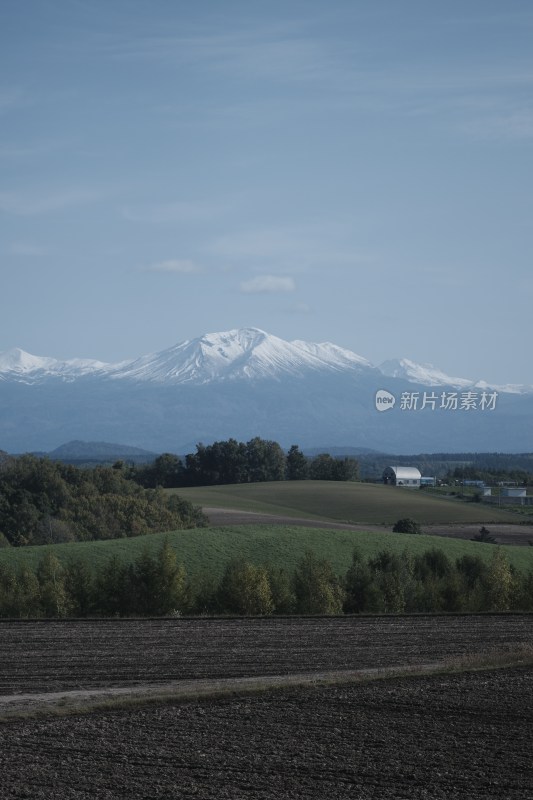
[
  {"x": 247, "y": 353},
  {"x": 425, "y": 374},
  {"x": 428, "y": 375},
  {"x": 17, "y": 365},
  {"x": 245, "y": 383}
]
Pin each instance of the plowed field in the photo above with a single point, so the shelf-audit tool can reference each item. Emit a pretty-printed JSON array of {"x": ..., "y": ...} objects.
[
  {"x": 436, "y": 737},
  {"x": 466, "y": 737},
  {"x": 66, "y": 655}
]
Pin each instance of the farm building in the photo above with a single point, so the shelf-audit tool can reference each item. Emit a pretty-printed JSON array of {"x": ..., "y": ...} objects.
[
  {"x": 514, "y": 492},
  {"x": 402, "y": 476}
]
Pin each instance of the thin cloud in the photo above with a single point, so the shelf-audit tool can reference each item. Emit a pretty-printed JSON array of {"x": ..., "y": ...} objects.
[
  {"x": 268, "y": 54},
  {"x": 294, "y": 249},
  {"x": 299, "y": 308},
  {"x": 175, "y": 265},
  {"x": 268, "y": 284},
  {"x": 29, "y": 204},
  {"x": 510, "y": 126},
  {"x": 163, "y": 213}
]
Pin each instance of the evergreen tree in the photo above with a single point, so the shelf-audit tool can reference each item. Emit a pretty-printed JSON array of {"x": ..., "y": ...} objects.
[
  {"x": 113, "y": 589},
  {"x": 297, "y": 466},
  {"x": 362, "y": 593},
  {"x": 79, "y": 585}
]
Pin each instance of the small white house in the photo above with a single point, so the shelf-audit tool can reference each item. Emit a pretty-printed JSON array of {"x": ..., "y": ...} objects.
[{"x": 402, "y": 476}]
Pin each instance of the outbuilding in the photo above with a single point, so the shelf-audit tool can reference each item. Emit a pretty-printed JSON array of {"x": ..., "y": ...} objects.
[
  {"x": 514, "y": 492},
  {"x": 402, "y": 476}
]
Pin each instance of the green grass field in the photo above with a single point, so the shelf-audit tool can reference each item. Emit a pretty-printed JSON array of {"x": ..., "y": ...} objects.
[
  {"x": 345, "y": 502},
  {"x": 209, "y": 549}
]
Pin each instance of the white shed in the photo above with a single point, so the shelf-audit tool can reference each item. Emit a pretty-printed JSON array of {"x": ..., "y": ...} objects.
[
  {"x": 402, "y": 476},
  {"x": 514, "y": 492}
]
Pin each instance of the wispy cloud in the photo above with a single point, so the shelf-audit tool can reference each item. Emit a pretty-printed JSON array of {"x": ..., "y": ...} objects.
[
  {"x": 163, "y": 213},
  {"x": 510, "y": 125},
  {"x": 34, "y": 203},
  {"x": 175, "y": 265},
  {"x": 299, "y": 308},
  {"x": 31, "y": 149},
  {"x": 295, "y": 248},
  {"x": 264, "y": 52},
  {"x": 268, "y": 284}
]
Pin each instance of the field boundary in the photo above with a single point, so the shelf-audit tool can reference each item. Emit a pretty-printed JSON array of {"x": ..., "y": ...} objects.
[{"x": 73, "y": 702}]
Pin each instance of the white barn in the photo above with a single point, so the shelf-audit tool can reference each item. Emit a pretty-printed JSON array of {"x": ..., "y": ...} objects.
[{"x": 402, "y": 476}]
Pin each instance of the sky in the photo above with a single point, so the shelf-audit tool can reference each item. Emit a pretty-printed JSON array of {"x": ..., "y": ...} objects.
[{"x": 330, "y": 170}]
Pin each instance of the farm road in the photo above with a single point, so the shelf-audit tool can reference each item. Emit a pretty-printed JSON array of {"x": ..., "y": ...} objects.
[
  {"x": 429, "y": 738},
  {"x": 42, "y": 657},
  {"x": 504, "y": 533}
]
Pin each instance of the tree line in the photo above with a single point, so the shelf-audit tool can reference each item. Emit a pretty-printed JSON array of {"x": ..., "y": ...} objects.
[
  {"x": 230, "y": 461},
  {"x": 490, "y": 475},
  {"x": 156, "y": 584},
  {"x": 490, "y": 467},
  {"x": 46, "y": 502}
]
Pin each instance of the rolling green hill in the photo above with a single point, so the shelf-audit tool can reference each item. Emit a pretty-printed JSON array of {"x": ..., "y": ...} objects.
[
  {"x": 345, "y": 502},
  {"x": 209, "y": 549}
]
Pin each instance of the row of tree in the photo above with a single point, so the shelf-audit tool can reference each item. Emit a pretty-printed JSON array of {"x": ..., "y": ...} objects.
[
  {"x": 490, "y": 475},
  {"x": 231, "y": 461},
  {"x": 490, "y": 467},
  {"x": 157, "y": 585},
  {"x": 44, "y": 502}
]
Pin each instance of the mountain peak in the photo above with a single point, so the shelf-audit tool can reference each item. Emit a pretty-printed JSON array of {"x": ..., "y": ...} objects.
[
  {"x": 425, "y": 374},
  {"x": 238, "y": 353},
  {"x": 19, "y": 361}
]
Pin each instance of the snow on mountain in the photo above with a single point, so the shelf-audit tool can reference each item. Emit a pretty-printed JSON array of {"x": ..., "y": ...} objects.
[
  {"x": 244, "y": 353},
  {"x": 425, "y": 374},
  {"x": 428, "y": 375},
  {"x": 247, "y": 353},
  {"x": 20, "y": 362},
  {"x": 508, "y": 388},
  {"x": 17, "y": 364},
  {"x": 337, "y": 357}
]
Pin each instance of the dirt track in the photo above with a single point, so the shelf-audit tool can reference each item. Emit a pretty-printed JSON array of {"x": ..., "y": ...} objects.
[
  {"x": 465, "y": 737},
  {"x": 69, "y": 655},
  {"x": 504, "y": 533}
]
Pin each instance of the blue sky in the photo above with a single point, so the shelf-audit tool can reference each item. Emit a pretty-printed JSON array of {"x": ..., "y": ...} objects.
[{"x": 345, "y": 171}]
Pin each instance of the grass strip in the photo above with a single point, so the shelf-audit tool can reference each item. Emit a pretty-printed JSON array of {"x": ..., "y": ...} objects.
[{"x": 191, "y": 692}]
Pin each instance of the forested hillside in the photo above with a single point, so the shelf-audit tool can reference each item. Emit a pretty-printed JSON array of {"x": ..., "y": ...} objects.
[{"x": 44, "y": 502}]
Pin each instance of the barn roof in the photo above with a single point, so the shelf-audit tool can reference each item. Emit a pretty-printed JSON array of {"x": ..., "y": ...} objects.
[{"x": 406, "y": 473}]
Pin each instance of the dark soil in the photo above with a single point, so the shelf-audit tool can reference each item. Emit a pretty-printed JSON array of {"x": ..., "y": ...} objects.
[
  {"x": 466, "y": 737},
  {"x": 51, "y": 656}
]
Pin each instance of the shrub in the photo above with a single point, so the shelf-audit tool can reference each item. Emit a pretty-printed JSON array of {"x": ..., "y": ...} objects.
[{"x": 406, "y": 525}]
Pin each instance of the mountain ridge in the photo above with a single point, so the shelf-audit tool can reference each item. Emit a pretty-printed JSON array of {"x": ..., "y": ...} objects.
[
  {"x": 245, "y": 383},
  {"x": 245, "y": 353}
]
